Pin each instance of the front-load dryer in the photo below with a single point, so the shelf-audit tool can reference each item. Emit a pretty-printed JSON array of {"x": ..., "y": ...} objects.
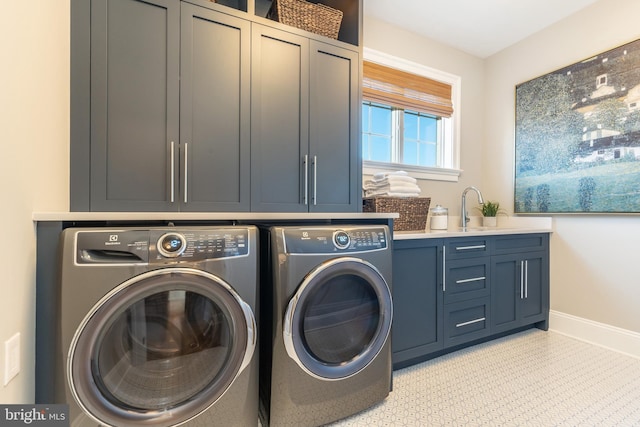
[
  {"x": 325, "y": 323},
  {"x": 157, "y": 326}
]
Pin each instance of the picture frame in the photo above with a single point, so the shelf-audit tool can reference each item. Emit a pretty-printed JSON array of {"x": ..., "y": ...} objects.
[{"x": 577, "y": 137}]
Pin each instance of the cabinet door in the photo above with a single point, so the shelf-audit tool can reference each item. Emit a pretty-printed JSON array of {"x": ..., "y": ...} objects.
[
  {"x": 334, "y": 129},
  {"x": 519, "y": 290},
  {"x": 134, "y": 104},
  {"x": 214, "y": 111},
  {"x": 279, "y": 121},
  {"x": 505, "y": 292},
  {"x": 417, "y": 300},
  {"x": 535, "y": 298}
]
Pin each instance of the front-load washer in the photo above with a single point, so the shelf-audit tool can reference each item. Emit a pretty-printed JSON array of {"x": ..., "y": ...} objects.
[
  {"x": 325, "y": 323},
  {"x": 157, "y": 326}
]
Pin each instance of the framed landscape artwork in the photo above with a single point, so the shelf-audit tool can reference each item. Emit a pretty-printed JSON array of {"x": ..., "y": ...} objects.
[{"x": 577, "y": 137}]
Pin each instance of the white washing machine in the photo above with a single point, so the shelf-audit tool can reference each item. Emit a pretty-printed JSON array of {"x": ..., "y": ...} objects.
[
  {"x": 157, "y": 326},
  {"x": 325, "y": 325}
]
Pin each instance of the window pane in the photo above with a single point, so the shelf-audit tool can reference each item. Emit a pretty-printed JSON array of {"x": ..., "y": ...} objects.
[
  {"x": 410, "y": 125},
  {"x": 410, "y": 153},
  {"x": 428, "y": 129},
  {"x": 380, "y": 149},
  {"x": 365, "y": 118},
  {"x": 380, "y": 120},
  {"x": 428, "y": 155}
]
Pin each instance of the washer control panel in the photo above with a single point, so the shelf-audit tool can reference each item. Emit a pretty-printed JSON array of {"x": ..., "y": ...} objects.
[
  {"x": 130, "y": 246},
  {"x": 310, "y": 240}
]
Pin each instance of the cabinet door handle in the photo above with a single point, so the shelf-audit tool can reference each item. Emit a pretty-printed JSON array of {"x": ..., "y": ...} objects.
[
  {"x": 466, "y": 248},
  {"x": 474, "y": 279},
  {"x": 315, "y": 180},
  {"x": 444, "y": 268},
  {"x": 186, "y": 170},
  {"x": 521, "y": 279},
  {"x": 306, "y": 179},
  {"x": 172, "y": 157},
  {"x": 526, "y": 279},
  {"x": 471, "y": 322}
]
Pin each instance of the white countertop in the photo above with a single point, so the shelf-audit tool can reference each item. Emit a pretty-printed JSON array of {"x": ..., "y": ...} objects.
[
  {"x": 203, "y": 216},
  {"x": 506, "y": 225}
]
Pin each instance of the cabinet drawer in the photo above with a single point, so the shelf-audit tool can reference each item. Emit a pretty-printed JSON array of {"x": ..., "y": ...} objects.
[
  {"x": 466, "y": 248},
  {"x": 466, "y": 279},
  {"x": 466, "y": 321},
  {"x": 503, "y": 245}
]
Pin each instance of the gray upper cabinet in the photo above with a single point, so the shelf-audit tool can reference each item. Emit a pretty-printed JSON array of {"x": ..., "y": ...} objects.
[
  {"x": 334, "y": 129},
  {"x": 279, "y": 121},
  {"x": 214, "y": 111},
  {"x": 170, "y": 103},
  {"x": 134, "y": 112},
  {"x": 305, "y": 124},
  {"x": 201, "y": 106}
]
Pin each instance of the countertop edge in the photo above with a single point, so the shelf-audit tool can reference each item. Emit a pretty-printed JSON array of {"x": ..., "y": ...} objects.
[{"x": 203, "y": 216}]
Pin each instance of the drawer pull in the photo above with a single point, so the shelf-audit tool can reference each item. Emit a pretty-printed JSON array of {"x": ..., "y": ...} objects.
[
  {"x": 475, "y": 279},
  {"x": 470, "y": 322},
  {"x": 466, "y": 248}
]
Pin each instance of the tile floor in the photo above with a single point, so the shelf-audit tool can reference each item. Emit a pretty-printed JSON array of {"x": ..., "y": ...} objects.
[{"x": 533, "y": 378}]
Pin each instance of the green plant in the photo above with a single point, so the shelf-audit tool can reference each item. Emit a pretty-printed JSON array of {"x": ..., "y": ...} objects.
[{"x": 490, "y": 208}]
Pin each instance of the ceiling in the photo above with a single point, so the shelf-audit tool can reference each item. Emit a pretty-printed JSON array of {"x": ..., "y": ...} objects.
[{"x": 478, "y": 27}]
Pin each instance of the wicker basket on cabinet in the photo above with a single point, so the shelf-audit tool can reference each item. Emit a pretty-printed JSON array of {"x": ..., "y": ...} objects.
[{"x": 314, "y": 17}]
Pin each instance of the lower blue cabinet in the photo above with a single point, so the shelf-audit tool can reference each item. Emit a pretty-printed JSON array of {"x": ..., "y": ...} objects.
[{"x": 446, "y": 297}]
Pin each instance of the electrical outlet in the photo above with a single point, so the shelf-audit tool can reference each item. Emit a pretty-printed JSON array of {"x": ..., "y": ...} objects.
[{"x": 11, "y": 358}]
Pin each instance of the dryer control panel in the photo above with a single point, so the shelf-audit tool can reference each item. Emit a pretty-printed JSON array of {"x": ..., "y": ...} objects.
[
  {"x": 310, "y": 240},
  {"x": 131, "y": 246}
]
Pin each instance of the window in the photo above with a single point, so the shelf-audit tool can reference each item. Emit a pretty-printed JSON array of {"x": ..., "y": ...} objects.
[
  {"x": 408, "y": 118},
  {"x": 394, "y": 135}
]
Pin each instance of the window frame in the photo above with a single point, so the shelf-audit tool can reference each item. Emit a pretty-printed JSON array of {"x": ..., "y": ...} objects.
[{"x": 450, "y": 127}]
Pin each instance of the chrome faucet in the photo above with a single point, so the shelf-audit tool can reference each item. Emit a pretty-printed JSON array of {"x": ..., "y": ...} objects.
[{"x": 464, "y": 218}]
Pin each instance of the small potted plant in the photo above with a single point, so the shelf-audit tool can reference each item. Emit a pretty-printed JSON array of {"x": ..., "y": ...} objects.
[{"x": 490, "y": 211}]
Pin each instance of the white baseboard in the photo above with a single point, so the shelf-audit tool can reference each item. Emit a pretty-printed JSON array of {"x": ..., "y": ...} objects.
[{"x": 601, "y": 334}]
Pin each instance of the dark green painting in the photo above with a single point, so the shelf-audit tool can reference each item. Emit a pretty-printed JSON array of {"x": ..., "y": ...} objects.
[{"x": 577, "y": 137}]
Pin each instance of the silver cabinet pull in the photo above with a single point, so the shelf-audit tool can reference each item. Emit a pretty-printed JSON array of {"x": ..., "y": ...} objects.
[
  {"x": 172, "y": 156},
  {"x": 186, "y": 170},
  {"x": 444, "y": 268},
  {"x": 526, "y": 279},
  {"x": 466, "y": 248},
  {"x": 315, "y": 180},
  {"x": 521, "y": 279},
  {"x": 475, "y": 279},
  {"x": 306, "y": 179},
  {"x": 471, "y": 322}
]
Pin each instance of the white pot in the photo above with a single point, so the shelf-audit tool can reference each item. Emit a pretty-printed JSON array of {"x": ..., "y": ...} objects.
[{"x": 490, "y": 221}]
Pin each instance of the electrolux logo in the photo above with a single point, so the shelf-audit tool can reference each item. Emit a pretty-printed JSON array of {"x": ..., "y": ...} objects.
[{"x": 36, "y": 415}]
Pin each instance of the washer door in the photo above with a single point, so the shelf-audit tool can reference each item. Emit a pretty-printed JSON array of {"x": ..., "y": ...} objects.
[
  {"x": 339, "y": 319},
  {"x": 160, "y": 348}
]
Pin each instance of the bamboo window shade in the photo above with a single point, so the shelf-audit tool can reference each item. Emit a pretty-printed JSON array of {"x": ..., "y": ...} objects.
[{"x": 409, "y": 91}]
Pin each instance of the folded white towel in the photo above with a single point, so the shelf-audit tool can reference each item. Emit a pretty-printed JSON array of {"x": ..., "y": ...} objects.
[
  {"x": 393, "y": 177},
  {"x": 372, "y": 193},
  {"x": 400, "y": 187}
]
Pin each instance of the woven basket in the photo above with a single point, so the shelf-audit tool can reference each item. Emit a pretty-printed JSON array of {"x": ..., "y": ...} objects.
[
  {"x": 413, "y": 210},
  {"x": 317, "y": 18}
]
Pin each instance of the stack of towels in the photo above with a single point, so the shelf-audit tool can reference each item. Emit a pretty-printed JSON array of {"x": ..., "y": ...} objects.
[{"x": 392, "y": 184}]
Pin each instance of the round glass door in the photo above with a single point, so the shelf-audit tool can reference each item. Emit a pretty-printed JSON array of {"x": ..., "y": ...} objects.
[
  {"x": 339, "y": 319},
  {"x": 161, "y": 348}
]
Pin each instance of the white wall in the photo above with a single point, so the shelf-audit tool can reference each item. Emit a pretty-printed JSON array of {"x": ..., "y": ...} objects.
[
  {"x": 395, "y": 41},
  {"x": 594, "y": 258},
  {"x": 34, "y": 122}
]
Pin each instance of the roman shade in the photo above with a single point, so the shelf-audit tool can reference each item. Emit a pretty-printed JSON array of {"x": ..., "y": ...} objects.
[{"x": 405, "y": 90}]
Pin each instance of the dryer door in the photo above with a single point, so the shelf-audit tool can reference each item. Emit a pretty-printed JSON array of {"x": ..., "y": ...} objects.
[
  {"x": 339, "y": 319},
  {"x": 160, "y": 349}
]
